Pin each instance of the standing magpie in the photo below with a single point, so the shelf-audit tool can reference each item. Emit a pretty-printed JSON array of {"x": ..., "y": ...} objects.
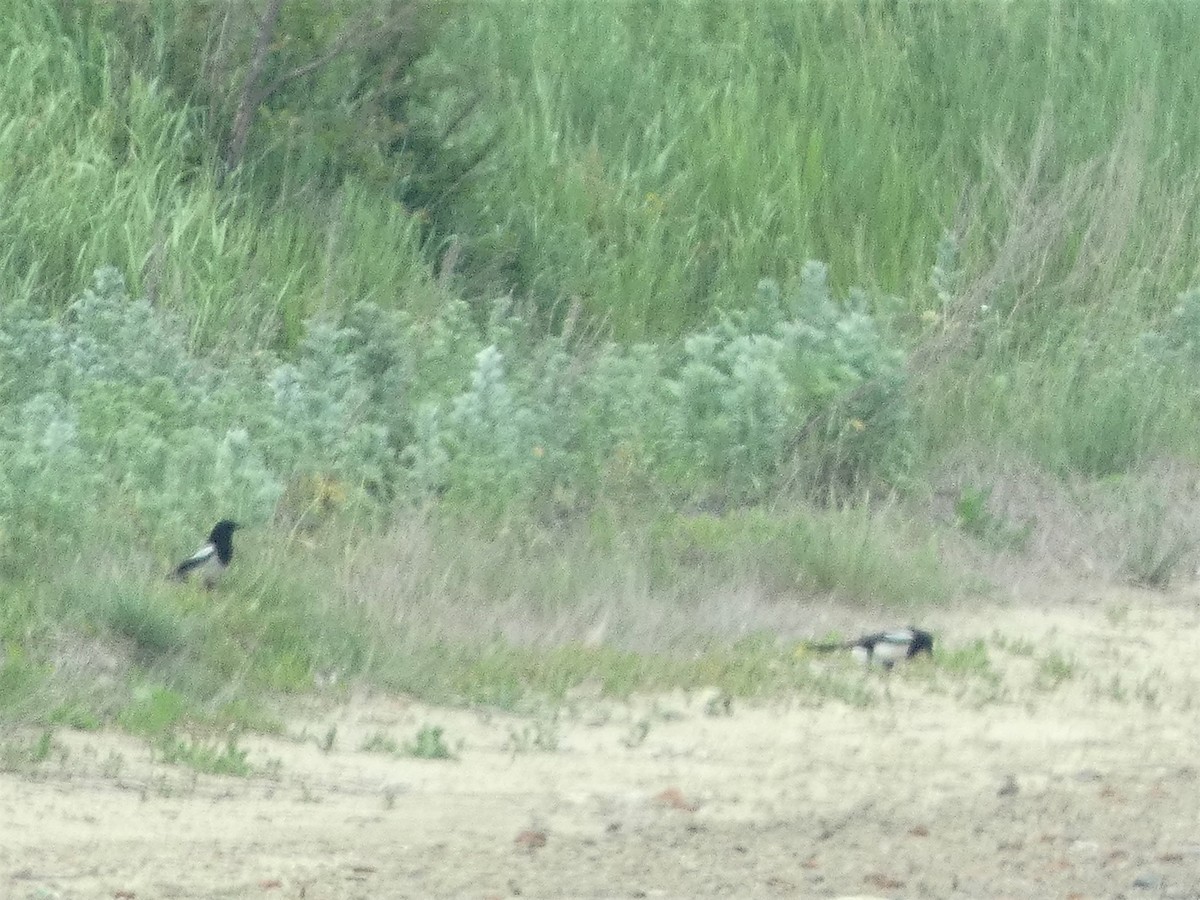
[
  {"x": 885, "y": 647},
  {"x": 213, "y": 558}
]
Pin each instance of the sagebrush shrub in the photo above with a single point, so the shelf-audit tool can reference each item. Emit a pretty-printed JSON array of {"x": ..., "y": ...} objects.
[
  {"x": 757, "y": 378},
  {"x": 323, "y": 420},
  {"x": 491, "y": 434},
  {"x": 110, "y": 406}
]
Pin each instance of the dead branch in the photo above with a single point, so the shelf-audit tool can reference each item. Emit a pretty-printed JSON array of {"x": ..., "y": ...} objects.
[
  {"x": 249, "y": 100},
  {"x": 254, "y": 94}
]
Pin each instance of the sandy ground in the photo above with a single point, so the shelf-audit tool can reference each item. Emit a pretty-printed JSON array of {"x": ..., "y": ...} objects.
[{"x": 954, "y": 786}]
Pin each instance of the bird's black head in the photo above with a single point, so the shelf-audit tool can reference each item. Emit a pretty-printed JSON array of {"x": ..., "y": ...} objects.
[
  {"x": 221, "y": 537},
  {"x": 922, "y": 642}
]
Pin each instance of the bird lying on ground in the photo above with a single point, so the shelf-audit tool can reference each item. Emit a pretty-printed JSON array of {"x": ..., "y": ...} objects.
[
  {"x": 213, "y": 558},
  {"x": 885, "y": 647}
]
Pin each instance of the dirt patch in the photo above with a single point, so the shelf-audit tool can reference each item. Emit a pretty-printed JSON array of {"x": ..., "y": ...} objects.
[{"x": 1064, "y": 767}]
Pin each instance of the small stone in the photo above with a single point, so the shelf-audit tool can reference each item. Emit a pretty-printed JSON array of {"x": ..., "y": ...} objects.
[
  {"x": 531, "y": 839},
  {"x": 1148, "y": 882}
]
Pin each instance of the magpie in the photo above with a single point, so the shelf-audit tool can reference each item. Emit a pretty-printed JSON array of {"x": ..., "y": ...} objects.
[
  {"x": 213, "y": 558},
  {"x": 885, "y": 647}
]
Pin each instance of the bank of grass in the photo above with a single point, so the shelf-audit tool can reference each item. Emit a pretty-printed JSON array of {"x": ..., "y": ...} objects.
[
  {"x": 653, "y": 166},
  {"x": 446, "y": 612},
  {"x": 664, "y": 162}
]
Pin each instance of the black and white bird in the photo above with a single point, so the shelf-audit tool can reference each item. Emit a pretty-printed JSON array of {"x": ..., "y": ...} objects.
[
  {"x": 211, "y": 560},
  {"x": 885, "y": 648}
]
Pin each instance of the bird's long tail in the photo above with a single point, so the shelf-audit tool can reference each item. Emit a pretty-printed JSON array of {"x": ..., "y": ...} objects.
[{"x": 826, "y": 646}]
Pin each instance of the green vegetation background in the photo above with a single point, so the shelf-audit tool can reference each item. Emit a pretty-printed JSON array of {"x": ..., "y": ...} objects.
[{"x": 534, "y": 316}]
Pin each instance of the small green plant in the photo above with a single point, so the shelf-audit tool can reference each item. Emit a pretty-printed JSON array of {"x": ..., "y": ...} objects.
[
  {"x": 540, "y": 737},
  {"x": 429, "y": 743},
  {"x": 18, "y": 754},
  {"x": 153, "y": 710},
  {"x": 638, "y": 732},
  {"x": 1116, "y": 689},
  {"x": 157, "y": 785},
  {"x": 1157, "y": 550},
  {"x": 971, "y": 512},
  {"x": 112, "y": 765},
  {"x": 1015, "y": 646},
  {"x": 380, "y": 742},
  {"x": 154, "y": 630},
  {"x": 1149, "y": 690},
  {"x": 1053, "y": 669},
  {"x": 1117, "y": 613},
  {"x": 329, "y": 740},
  {"x": 390, "y": 793},
  {"x": 77, "y": 717},
  {"x": 208, "y": 757},
  {"x": 969, "y": 659},
  {"x": 719, "y": 704},
  {"x": 973, "y": 516}
]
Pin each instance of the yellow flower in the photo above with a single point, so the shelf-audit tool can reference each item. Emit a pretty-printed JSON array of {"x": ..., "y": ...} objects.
[
  {"x": 327, "y": 492},
  {"x": 539, "y": 452},
  {"x": 858, "y": 424},
  {"x": 930, "y": 317}
]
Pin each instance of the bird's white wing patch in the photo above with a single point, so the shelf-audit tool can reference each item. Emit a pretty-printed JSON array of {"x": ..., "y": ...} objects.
[
  {"x": 200, "y": 558},
  {"x": 890, "y": 651},
  {"x": 203, "y": 555}
]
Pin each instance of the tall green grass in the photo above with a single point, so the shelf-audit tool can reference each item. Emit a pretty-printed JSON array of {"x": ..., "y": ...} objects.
[
  {"x": 103, "y": 167},
  {"x": 654, "y": 161},
  {"x": 660, "y": 158}
]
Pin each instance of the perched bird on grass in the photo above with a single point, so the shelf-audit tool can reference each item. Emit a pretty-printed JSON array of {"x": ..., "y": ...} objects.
[
  {"x": 213, "y": 558},
  {"x": 886, "y": 648}
]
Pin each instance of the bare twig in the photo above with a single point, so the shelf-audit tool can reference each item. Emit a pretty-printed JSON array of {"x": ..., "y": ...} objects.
[
  {"x": 250, "y": 99},
  {"x": 449, "y": 262},
  {"x": 254, "y": 94},
  {"x": 336, "y": 49}
]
